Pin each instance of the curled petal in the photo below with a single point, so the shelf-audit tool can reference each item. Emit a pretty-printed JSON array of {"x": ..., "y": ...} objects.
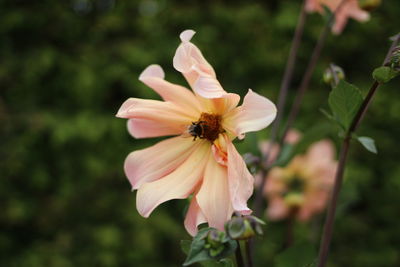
[
  {"x": 142, "y": 128},
  {"x": 153, "y": 163},
  {"x": 213, "y": 197},
  {"x": 187, "y": 35},
  {"x": 153, "y": 76},
  {"x": 240, "y": 180},
  {"x": 189, "y": 60},
  {"x": 256, "y": 113},
  {"x": 178, "y": 184},
  {"x": 152, "y": 71},
  {"x": 167, "y": 113},
  {"x": 208, "y": 86},
  {"x": 194, "y": 217}
]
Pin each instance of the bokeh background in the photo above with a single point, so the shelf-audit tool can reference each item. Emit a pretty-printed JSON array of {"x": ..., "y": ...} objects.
[{"x": 67, "y": 66}]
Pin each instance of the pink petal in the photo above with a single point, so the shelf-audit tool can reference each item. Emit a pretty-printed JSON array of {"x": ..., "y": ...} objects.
[
  {"x": 213, "y": 197},
  {"x": 155, "y": 162},
  {"x": 208, "y": 86},
  {"x": 142, "y": 128},
  {"x": 153, "y": 76},
  {"x": 152, "y": 71},
  {"x": 187, "y": 35},
  {"x": 320, "y": 154},
  {"x": 178, "y": 184},
  {"x": 277, "y": 209},
  {"x": 167, "y": 113},
  {"x": 256, "y": 113},
  {"x": 241, "y": 182},
  {"x": 194, "y": 217},
  {"x": 189, "y": 60}
]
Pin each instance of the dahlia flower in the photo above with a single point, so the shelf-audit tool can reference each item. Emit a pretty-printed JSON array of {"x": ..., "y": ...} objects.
[
  {"x": 349, "y": 9},
  {"x": 201, "y": 159},
  {"x": 302, "y": 188}
]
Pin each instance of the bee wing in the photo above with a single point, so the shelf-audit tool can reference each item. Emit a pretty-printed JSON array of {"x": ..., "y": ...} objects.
[{"x": 185, "y": 131}]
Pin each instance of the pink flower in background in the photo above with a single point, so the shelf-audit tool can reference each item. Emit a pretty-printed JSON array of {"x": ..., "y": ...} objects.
[
  {"x": 302, "y": 188},
  {"x": 349, "y": 9},
  {"x": 201, "y": 159}
]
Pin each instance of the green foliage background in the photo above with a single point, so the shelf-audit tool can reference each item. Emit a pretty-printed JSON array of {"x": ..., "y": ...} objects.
[{"x": 67, "y": 66}]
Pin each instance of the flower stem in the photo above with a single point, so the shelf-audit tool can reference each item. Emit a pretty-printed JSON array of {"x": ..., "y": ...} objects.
[
  {"x": 329, "y": 222},
  {"x": 239, "y": 256},
  {"x": 305, "y": 82},
  {"x": 248, "y": 247},
  {"x": 286, "y": 80}
]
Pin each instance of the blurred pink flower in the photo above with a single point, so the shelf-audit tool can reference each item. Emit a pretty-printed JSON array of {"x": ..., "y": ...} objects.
[
  {"x": 303, "y": 187},
  {"x": 349, "y": 9},
  {"x": 201, "y": 159}
]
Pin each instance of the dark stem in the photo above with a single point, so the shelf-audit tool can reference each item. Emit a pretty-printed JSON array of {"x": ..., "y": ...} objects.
[
  {"x": 286, "y": 80},
  {"x": 328, "y": 227},
  {"x": 330, "y": 217},
  {"x": 239, "y": 257},
  {"x": 308, "y": 74},
  {"x": 289, "y": 231},
  {"x": 249, "y": 257}
]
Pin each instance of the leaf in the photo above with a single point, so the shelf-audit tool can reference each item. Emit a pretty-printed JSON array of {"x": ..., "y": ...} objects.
[
  {"x": 300, "y": 254},
  {"x": 344, "y": 101},
  {"x": 197, "y": 251},
  {"x": 185, "y": 246},
  {"x": 368, "y": 143},
  {"x": 384, "y": 74}
]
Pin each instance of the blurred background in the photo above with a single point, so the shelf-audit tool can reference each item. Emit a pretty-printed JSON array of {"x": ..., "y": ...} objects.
[{"x": 67, "y": 66}]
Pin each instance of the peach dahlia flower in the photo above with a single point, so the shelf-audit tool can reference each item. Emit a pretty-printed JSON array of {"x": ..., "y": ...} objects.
[
  {"x": 201, "y": 159},
  {"x": 302, "y": 188},
  {"x": 349, "y": 9}
]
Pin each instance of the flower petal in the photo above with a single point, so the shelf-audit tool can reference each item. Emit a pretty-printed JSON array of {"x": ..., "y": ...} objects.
[
  {"x": 177, "y": 185},
  {"x": 153, "y": 76},
  {"x": 277, "y": 209},
  {"x": 208, "y": 86},
  {"x": 189, "y": 60},
  {"x": 166, "y": 113},
  {"x": 194, "y": 217},
  {"x": 240, "y": 180},
  {"x": 256, "y": 113},
  {"x": 152, "y": 163},
  {"x": 142, "y": 128},
  {"x": 213, "y": 197}
]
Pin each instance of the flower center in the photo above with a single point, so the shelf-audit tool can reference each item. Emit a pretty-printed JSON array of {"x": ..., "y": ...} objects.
[{"x": 207, "y": 127}]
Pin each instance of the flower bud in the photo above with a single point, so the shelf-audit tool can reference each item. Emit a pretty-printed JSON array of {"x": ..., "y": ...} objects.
[
  {"x": 215, "y": 242},
  {"x": 369, "y": 5},
  {"x": 395, "y": 59},
  {"x": 329, "y": 77},
  {"x": 244, "y": 227}
]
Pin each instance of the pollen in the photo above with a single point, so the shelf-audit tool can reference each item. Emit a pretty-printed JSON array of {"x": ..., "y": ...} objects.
[{"x": 211, "y": 124}]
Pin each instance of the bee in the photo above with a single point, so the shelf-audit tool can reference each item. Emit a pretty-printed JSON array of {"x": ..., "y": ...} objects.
[{"x": 197, "y": 129}]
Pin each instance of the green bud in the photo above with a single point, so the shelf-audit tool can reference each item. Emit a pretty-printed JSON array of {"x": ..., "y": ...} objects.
[
  {"x": 395, "y": 59},
  {"x": 244, "y": 227},
  {"x": 215, "y": 238},
  {"x": 369, "y": 5},
  {"x": 328, "y": 76}
]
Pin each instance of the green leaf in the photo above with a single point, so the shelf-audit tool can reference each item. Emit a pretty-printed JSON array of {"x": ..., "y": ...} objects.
[
  {"x": 185, "y": 246},
  {"x": 368, "y": 143},
  {"x": 384, "y": 74},
  {"x": 300, "y": 254},
  {"x": 344, "y": 101}
]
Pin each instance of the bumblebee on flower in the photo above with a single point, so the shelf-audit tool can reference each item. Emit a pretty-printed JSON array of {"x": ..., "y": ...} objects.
[{"x": 201, "y": 159}]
